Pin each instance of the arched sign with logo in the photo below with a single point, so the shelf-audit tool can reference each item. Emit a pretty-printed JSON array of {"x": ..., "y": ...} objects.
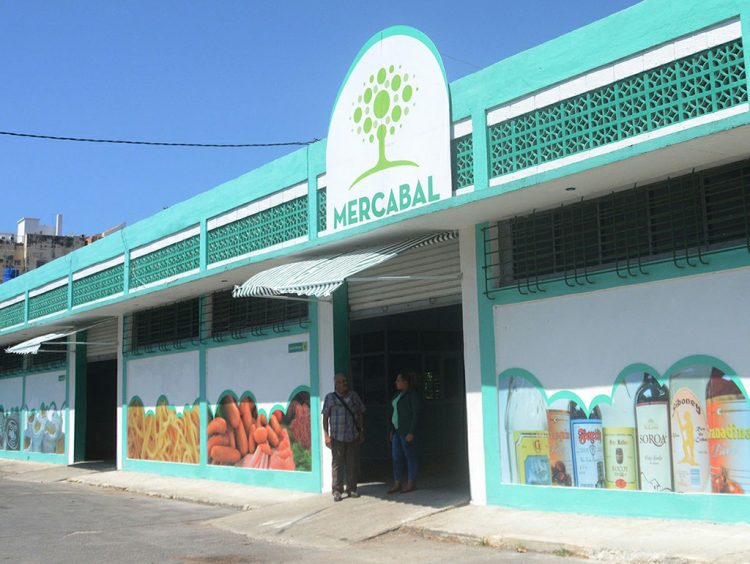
[{"x": 389, "y": 138}]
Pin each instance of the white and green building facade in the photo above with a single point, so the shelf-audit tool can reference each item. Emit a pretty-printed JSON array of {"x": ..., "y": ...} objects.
[{"x": 559, "y": 245}]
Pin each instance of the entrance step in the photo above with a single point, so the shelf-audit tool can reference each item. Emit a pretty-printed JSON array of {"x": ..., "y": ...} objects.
[{"x": 321, "y": 522}]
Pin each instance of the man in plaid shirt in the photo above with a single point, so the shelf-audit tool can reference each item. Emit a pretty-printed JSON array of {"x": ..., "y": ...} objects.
[{"x": 343, "y": 428}]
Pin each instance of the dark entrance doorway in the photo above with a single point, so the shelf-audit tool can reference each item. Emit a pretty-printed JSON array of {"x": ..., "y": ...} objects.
[
  {"x": 431, "y": 343},
  {"x": 101, "y": 411}
]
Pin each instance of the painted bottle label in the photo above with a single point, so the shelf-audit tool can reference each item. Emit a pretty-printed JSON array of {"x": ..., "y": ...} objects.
[
  {"x": 729, "y": 444},
  {"x": 654, "y": 449},
  {"x": 532, "y": 457},
  {"x": 588, "y": 453},
  {"x": 689, "y": 442},
  {"x": 560, "y": 452},
  {"x": 619, "y": 458}
]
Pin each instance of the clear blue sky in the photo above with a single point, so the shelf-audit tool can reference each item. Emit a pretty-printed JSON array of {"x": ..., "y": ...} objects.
[{"x": 199, "y": 71}]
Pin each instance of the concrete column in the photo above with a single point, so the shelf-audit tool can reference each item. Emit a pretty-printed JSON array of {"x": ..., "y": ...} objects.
[
  {"x": 120, "y": 391},
  {"x": 472, "y": 365},
  {"x": 325, "y": 371}
]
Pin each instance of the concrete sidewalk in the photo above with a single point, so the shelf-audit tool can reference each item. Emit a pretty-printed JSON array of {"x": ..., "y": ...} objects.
[{"x": 315, "y": 520}]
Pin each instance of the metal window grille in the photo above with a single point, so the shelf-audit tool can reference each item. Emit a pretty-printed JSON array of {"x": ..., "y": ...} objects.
[
  {"x": 678, "y": 220},
  {"x": 165, "y": 328},
  {"x": 697, "y": 85},
  {"x": 10, "y": 363},
  {"x": 56, "y": 356},
  {"x": 236, "y": 318}
]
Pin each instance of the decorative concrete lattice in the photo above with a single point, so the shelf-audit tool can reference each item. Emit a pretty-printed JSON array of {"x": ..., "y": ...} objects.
[
  {"x": 11, "y": 315},
  {"x": 48, "y": 302},
  {"x": 322, "y": 209},
  {"x": 167, "y": 262},
  {"x": 99, "y": 285},
  {"x": 703, "y": 83},
  {"x": 264, "y": 229},
  {"x": 462, "y": 157}
]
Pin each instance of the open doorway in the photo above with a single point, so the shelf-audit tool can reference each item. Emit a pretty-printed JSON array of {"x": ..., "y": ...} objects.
[
  {"x": 431, "y": 343},
  {"x": 101, "y": 411}
]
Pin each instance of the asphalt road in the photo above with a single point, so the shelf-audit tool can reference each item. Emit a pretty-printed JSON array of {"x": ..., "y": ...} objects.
[{"x": 63, "y": 522}]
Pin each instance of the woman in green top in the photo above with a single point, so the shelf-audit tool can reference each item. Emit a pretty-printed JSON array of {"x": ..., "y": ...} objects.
[{"x": 404, "y": 413}]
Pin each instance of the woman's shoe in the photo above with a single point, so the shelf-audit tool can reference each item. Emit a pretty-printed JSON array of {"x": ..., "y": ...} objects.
[
  {"x": 396, "y": 487},
  {"x": 409, "y": 487}
]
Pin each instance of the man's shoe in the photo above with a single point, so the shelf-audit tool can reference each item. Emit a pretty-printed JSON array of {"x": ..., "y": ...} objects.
[
  {"x": 396, "y": 487},
  {"x": 336, "y": 496},
  {"x": 354, "y": 494},
  {"x": 409, "y": 487}
]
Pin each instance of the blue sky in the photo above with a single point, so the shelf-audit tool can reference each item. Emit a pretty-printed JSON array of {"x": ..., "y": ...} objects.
[{"x": 199, "y": 71}]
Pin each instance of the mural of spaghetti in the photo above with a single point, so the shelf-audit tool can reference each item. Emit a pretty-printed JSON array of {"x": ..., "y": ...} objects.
[{"x": 163, "y": 435}]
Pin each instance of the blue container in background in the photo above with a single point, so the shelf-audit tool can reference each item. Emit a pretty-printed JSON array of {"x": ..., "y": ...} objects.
[{"x": 9, "y": 273}]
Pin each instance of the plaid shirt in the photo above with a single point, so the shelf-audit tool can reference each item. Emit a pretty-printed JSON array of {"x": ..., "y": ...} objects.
[{"x": 342, "y": 425}]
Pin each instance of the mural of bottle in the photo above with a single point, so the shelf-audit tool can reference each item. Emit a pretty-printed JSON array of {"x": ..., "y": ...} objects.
[
  {"x": 728, "y": 435},
  {"x": 652, "y": 423},
  {"x": 560, "y": 451},
  {"x": 528, "y": 437},
  {"x": 588, "y": 451},
  {"x": 689, "y": 429},
  {"x": 618, "y": 424}
]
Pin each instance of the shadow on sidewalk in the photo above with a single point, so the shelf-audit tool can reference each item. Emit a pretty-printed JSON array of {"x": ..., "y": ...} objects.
[{"x": 95, "y": 465}]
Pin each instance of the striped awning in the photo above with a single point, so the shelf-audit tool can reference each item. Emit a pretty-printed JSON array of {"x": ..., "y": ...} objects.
[
  {"x": 32, "y": 346},
  {"x": 320, "y": 277}
]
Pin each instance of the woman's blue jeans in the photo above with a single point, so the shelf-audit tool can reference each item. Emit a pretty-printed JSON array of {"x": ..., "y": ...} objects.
[{"x": 403, "y": 454}]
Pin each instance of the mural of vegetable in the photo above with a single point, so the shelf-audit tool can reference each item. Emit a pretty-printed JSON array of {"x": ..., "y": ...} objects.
[{"x": 240, "y": 436}]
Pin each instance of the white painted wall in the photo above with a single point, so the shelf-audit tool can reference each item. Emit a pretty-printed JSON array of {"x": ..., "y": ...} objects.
[
  {"x": 11, "y": 393},
  {"x": 472, "y": 366},
  {"x": 265, "y": 368},
  {"x": 71, "y": 436},
  {"x": 325, "y": 370},
  {"x": 175, "y": 376}
]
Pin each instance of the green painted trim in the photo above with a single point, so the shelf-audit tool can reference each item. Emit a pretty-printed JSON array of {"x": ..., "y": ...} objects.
[
  {"x": 267, "y": 478},
  {"x": 162, "y": 468},
  {"x": 625, "y": 503},
  {"x": 70, "y": 292},
  {"x": 80, "y": 405},
  {"x": 481, "y": 144},
  {"x": 34, "y": 456},
  {"x": 125, "y": 272},
  {"x": 312, "y": 200},
  {"x": 381, "y": 35},
  {"x": 66, "y": 414},
  {"x": 203, "y": 245},
  {"x": 341, "y": 330}
]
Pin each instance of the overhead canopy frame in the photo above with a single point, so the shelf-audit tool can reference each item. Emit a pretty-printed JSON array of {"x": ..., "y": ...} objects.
[
  {"x": 34, "y": 346},
  {"x": 320, "y": 277}
]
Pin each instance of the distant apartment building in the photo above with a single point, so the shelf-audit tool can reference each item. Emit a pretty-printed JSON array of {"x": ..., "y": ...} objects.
[{"x": 33, "y": 245}]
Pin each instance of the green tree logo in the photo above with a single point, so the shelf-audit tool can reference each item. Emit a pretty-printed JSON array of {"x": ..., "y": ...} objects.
[{"x": 380, "y": 110}]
